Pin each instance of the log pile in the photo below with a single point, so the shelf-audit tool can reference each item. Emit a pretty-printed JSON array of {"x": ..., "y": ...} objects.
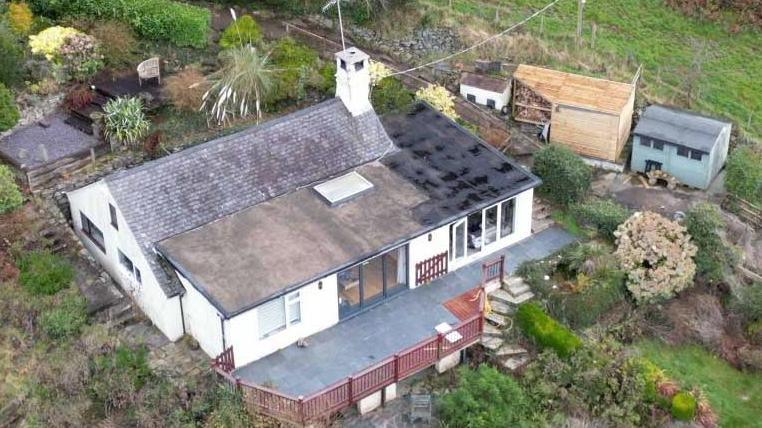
[
  {"x": 528, "y": 97},
  {"x": 528, "y": 114},
  {"x": 528, "y": 106}
]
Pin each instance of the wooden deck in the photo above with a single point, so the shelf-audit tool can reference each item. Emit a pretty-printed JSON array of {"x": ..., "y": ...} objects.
[{"x": 465, "y": 305}]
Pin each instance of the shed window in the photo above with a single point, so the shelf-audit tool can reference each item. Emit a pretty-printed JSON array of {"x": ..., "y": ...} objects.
[
  {"x": 695, "y": 155},
  {"x": 112, "y": 213},
  {"x": 471, "y": 97},
  {"x": 682, "y": 151},
  {"x": 91, "y": 231},
  {"x": 645, "y": 142},
  {"x": 272, "y": 317},
  {"x": 491, "y": 103},
  {"x": 658, "y": 145}
]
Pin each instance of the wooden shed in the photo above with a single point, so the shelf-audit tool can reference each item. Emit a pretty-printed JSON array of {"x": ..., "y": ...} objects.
[{"x": 591, "y": 116}]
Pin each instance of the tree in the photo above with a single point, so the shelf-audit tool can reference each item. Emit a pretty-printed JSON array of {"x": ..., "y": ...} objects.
[
  {"x": 244, "y": 79},
  {"x": 566, "y": 178},
  {"x": 657, "y": 255},
  {"x": 714, "y": 258},
  {"x": 486, "y": 398},
  {"x": 439, "y": 98}
]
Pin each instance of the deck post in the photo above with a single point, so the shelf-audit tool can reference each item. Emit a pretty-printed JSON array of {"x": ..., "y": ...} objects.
[
  {"x": 349, "y": 390},
  {"x": 301, "y": 410},
  {"x": 439, "y": 346},
  {"x": 502, "y": 269},
  {"x": 396, "y": 367}
]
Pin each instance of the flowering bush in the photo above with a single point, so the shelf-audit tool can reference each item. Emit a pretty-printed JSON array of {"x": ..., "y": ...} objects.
[
  {"x": 439, "y": 98},
  {"x": 657, "y": 255},
  {"x": 48, "y": 42},
  {"x": 378, "y": 72},
  {"x": 80, "y": 56}
]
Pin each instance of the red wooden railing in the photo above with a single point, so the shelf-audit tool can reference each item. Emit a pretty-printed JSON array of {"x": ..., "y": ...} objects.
[
  {"x": 358, "y": 386},
  {"x": 493, "y": 270},
  {"x": 430, "y": 269},
  {"x": 225, "y": 361}
]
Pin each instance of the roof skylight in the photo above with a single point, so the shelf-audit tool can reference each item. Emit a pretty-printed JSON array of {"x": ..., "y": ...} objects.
[{"x": 343, "y": 188}]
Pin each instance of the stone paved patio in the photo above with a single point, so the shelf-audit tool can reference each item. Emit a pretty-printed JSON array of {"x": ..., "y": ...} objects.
[{"x": 399, "y": 323}]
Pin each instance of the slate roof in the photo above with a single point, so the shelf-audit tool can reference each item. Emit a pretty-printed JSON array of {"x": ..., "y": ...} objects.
[
  {"x": 22, "y": 147},
  {"x": 482, "y": 81},
  {"x": 680, "y": 127},
  {"x": 204, "y": 183},
  {"x": 440, "y": 172}
]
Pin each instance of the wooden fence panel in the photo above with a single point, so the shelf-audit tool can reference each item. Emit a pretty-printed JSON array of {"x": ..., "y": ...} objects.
[{"x": 430, "y": 269}]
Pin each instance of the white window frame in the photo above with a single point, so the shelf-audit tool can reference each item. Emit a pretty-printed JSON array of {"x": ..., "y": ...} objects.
[
  {"x": 137, "y": 277},
  {"x": 286, "y": 303},
  {"x": 291, "y": 300}
]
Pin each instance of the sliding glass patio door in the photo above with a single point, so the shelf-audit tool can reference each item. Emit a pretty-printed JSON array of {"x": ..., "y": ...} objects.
[{"x": 372, "y": 281}]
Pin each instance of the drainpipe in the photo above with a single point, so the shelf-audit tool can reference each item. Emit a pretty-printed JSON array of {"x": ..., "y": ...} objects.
[
  {"x": 222, "y": 328},
  {"x": 182, "y": 312}
]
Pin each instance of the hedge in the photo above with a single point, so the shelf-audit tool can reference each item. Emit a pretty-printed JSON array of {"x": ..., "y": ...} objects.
[
  {"x": 546, "y": 331},
  {"x": 566, "y": 177},
  {"x": 603, "y": 215},
  {"x": 181, "y": 24}
]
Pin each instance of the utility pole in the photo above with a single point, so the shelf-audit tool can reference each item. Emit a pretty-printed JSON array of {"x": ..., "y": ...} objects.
[{"x": 580, "y": 15}]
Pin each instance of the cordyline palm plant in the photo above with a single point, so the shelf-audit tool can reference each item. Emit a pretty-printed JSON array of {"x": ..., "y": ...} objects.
[
  {"x": 125, "y": 121},
  {"x": 244, "y": 79}
]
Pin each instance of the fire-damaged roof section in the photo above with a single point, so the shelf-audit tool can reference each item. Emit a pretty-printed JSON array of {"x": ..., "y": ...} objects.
[
  {"x": 459, "y": 172},
  {"x": 201, "y": 184},
  {"x": 441, "y": 172}
]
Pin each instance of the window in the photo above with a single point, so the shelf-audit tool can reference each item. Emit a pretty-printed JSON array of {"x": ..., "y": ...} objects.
[
  {"x": 91, "y": 231},
  {"x": 490, "y": 225},
  {"x": 293, "y": 308},
  {"x": 658, "y": 145},
  {"x": 696, "y": 155},
  {"x": 359, "y": 65},
  {"x": 682, "y": 151},
  {"x": 372, "y": 281},
  {"x": 112, "y": 212},
  {"x": 507, "y": 210},
  {"x": 138, "y": 277},
  {"x": 645, "y": 142},
  {"x": 491, "y": 103},
  {"x": 129, "y": 267},
  {"x": 271, "y": 317},
  {"x": 471, "y": 97}
]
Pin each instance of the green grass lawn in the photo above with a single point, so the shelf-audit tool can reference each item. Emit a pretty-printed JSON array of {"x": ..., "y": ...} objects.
[
  {"x": 648, "y": 32},
  {"x": 736, "y": 396}
]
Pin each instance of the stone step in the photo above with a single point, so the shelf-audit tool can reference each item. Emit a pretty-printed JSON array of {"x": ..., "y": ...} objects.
[
  {"x": 506, "y": 297},
  {"x": 512, "y": 280},
  {"x": 491, "y": 330},
  {"x": 510, "y": 350},
  {"x": 500, "y": 308},
  {"x": 515, "y": 362},
  {"x": 540, "y": 225},
  {"x": 518, "y": 289},
  {"x": 495, "y": 319},
  {"x": 491, "y": 343},
  {"x": 119, "y": 309},
  {"x": 523, "y": 298},
  {"x": 500, "y": 295}
]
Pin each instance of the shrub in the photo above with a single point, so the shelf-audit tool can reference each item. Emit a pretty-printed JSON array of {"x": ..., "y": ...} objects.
[
  {"x": 748, "y": 301},
  {"x": 20, "y": 17},
  {"x": 10, "y": 195},
  {"x": 684, "y": 406},
  {"x": 547, "y": 331},
  {"x": 713, "y": 258},
  {"x": 44, "y": 273},
  {"x": 242, "y": 32},
  {"x": 583, "y": 308},
  {"x": 293, "y": 62},
  {"x": 179, "y": 23},
  {"x": 125, "y": 121},
  {"x": 119, "y": 376},
  {"x": 657, "y": 255},
  {"x": 48, "y": 42},
  {"x": 9, "y": 114},
  {"x": 328, "y": 77},
  {"x": 603, "y": 215},
  {"x": 390, "y": 95},
  {"x": 79, "y": 97},
  {"x": 486, "y": 398},
  {"x": 12, "y": 58},
  {"x": 744, "y": 173},
  {"x": 66, "y": 319},
  {"x": 440, "y": 98},
  {"x": 117, "y": 43},
  {"x": 566, "y": 178},
  {"x": 80, "y": 57},
  {"x": 186, "y": 89}
]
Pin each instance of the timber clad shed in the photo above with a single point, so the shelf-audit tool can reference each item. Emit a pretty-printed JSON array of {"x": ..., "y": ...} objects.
[{"x": 590, "y": 116}]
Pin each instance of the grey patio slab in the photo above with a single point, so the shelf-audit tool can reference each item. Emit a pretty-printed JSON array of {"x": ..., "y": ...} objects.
[{"x": 378, "y": 333}]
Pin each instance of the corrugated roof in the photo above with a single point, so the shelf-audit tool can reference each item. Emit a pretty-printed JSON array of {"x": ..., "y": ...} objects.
[
  {"x": 201, "y": 184},
  {"x": 680, "y": 127},
  {"x": 575, "y": 90},
  {"x": 483, "y": 81}
]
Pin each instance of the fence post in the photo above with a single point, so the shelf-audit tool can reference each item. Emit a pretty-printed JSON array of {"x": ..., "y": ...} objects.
[
  {"x": 349, "y": 389},
  {"x": 439, "y": 346},
  {"x": 302, "y": 419},
  {"x": 502, "y": 269},
  {"x": 396, "y": 367}
]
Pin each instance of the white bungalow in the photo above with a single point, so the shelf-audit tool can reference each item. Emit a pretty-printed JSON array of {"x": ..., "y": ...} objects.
[
  {"x": 253, "y": 241},
  {"x": 485, "y": 90}
]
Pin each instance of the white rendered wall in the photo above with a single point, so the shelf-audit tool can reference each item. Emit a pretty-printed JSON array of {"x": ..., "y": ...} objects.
[
  {"x": 420, "y": 249},
  {"x": 320, "y": 310},
  {"x": 501, "y": 99},
  {"x": 93, "y": 201},
  {"x": 202, "y": 319}
]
